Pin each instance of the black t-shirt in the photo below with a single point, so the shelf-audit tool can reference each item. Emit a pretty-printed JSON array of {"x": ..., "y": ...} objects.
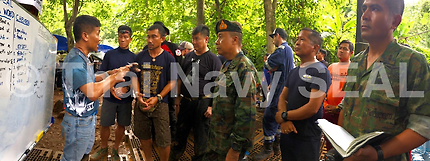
[
  {"x": 155, "y": 75},
  {"x": 299, "y": 83},
  {"x": 204, "y": 63},
  {"x": 172, "y": 49}
]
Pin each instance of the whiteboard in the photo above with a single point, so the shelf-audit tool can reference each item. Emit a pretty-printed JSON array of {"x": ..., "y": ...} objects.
[{"x": 27, "y": 67}]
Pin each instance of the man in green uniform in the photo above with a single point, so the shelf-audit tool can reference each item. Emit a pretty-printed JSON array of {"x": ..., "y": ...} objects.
[
  {"x": 233, "y": 119},
  {"x": 389, "y": 89}
]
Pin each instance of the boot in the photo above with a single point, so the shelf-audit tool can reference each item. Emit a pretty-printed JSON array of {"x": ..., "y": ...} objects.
[
  {"x": 276, "y": 147},
  {"x": 265, "y": 153}
]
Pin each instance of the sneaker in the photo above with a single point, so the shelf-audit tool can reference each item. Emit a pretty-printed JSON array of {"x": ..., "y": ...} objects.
[
  {"x": 102, "y": 152},
  {"x": 115, "y": 156}
]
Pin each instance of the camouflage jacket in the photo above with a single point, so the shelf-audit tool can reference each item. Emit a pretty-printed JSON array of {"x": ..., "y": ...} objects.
[
  {"x": 234, "y": 113},
  {"x": 381, "y": 98}
]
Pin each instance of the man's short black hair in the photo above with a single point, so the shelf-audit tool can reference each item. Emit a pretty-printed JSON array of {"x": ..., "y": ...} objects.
[
  {"x": 396, "y": 6},
  {"x": 315, "y": 37},
  {"x": 202, "y": 29},
  {"x": 123, "y": 29},
  {"x": 160, "y": 28},
  {"x": 84, "y": 23},
  {"x": 351, "y": 46},
  {"x": 323, "y": 52}
]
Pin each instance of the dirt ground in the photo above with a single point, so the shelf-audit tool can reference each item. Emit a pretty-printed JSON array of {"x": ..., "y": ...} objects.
[{"x": 53, "y": 139}]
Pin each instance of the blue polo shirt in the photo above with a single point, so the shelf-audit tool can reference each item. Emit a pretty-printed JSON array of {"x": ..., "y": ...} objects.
[
  {"x": 78, "y": 71},
  {"x": 114, "y": 59}
]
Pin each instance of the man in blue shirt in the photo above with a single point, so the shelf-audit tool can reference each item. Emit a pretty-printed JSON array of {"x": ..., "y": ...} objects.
[
  {"x": 301, "y": 101},
  {"x": 81, "y": 90},
  {"x": 121, "y": 106},
  {"x": 279, "y": 64}
]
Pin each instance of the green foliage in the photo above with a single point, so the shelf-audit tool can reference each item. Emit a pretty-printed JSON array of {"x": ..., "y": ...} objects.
[
  {"x": 334, "y": 19},
  {"x": 338, "y": 21},
  {"x": 104, "y": 10},
  {"x": 415, "y": 27}
]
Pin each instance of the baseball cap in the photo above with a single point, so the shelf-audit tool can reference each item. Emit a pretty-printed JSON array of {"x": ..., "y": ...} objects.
[
  {"x": 279, "y": 31},
  {"x": 123, "y": 29},
  {"x": 162, "y": 24},
  {"x": 225, "y": 25},
  {"x": 186, "y": 45}
]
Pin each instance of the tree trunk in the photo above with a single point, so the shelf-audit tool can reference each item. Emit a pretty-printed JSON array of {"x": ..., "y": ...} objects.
[
  {"x": 359, "y": 42},
  {"x": 68, "y": 23},
  {"x": 269, "y": 10},
  {"x": 200, "y": 12},
  {"x": 218, "y": 9}
]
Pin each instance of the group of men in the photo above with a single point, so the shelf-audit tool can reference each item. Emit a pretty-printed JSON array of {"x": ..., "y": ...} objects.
[{"x": 388, "y": 92}]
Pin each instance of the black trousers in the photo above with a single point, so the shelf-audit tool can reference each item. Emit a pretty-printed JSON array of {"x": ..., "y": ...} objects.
[
  {"x": 172, "y": 117},
  {"x": 191, "y": 115},
  {"x": 295, "y": 148}
]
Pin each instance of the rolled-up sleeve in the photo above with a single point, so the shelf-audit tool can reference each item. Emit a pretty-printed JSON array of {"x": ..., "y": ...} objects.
[{"x": 418, "y": 95}]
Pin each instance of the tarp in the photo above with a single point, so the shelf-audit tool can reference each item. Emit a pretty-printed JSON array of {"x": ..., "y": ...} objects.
[
  {"x": 104, "y": 48},
  {"x": 61, "y": 43}
]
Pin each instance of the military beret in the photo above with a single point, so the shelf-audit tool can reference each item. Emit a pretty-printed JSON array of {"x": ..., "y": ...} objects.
[{"x": 225, "y": 25}]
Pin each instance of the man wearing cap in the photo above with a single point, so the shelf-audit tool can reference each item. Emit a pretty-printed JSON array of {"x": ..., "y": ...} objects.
[
  {"x": 195, "y": 105},
  {"x": 120, "y": 106},
  {"x": 232, "y": 125},
  {"x": 185, "y": 48},
  {"x": 279, "y": 63}
]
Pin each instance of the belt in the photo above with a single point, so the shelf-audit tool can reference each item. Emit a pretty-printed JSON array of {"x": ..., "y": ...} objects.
[
  {"x": 195, "y": 98},
  {"x": 67, "y": 113}
]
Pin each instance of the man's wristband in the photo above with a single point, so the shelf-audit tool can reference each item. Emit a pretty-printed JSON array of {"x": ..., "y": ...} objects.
[
  {"x": 379, "y": 152},
  {"x": 160, "y": 98},
  {"x": 106, "y": 74}
]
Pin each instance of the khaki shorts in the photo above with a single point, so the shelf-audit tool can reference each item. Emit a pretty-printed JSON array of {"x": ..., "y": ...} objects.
[{"x": 145, "y": 122}]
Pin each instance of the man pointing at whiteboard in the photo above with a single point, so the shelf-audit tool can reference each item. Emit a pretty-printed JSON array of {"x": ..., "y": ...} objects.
[{"x": 81, "y": 91}]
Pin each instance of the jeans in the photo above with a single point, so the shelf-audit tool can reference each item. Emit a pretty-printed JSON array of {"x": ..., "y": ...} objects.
[{"x": 79, "y": 134}]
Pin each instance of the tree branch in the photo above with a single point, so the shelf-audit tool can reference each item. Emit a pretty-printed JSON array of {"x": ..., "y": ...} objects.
[
  {"x": 65, "y": 12},
  {"x": 274, "y": 4},
  {"x": 414, "y": 35}
]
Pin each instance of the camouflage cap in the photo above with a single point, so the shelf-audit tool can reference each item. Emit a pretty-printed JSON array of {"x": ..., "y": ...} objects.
[{"x": 225, "y": 25}]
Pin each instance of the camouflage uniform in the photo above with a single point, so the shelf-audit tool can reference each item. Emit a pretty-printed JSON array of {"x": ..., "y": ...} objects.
[
  {"x": 233, "y": 118},
  {"x": 375, "y": 110}
]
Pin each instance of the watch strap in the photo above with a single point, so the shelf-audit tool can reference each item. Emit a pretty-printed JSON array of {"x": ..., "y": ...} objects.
[
  {"x": 285, "y": 116},
  {"x": 379, "y": 152}
]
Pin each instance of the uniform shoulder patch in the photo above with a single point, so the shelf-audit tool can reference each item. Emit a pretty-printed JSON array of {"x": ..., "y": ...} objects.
[
  {"x": 178, "y": 52},
  {"x": 281, "y": 47}
]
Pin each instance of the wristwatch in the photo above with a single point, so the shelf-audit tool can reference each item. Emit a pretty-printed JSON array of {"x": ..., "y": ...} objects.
[
  {"x": 284, "y": 116},
  {"x": 235, "y": 146},
  {"x": 380, "y": 152},
  {"x": 160, "y": 98}
]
